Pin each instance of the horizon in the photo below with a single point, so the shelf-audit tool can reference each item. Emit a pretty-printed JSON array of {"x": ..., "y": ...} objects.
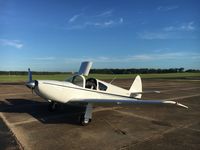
[
  {"x": 184, "y": 70},
  {"x": 59, "y": 35}
]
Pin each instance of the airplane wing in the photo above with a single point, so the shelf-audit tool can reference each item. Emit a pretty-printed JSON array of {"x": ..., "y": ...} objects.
[{"x": 132, "y": 101}]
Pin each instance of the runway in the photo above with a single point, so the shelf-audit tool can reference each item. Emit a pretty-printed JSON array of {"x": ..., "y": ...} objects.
[{"x": 113, "y": 127}]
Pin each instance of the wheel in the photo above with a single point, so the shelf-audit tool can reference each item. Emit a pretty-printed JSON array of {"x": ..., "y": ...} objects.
[
  {"x": 52, "y": 106},
  {"x": 83, "y": 121}
]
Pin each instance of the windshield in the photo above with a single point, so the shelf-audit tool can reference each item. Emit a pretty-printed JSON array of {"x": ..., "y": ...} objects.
[{"x": 77, "y": 80}]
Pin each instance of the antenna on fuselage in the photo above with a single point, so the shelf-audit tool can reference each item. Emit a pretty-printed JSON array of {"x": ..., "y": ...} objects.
[{"x": 113, "y": 80}]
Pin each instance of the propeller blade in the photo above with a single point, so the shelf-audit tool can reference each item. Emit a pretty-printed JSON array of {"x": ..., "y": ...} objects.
[{"x": 29, "y": 75}]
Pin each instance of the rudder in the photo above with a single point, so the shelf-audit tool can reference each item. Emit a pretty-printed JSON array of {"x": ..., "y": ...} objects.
[{"x": 136, "y": 88}]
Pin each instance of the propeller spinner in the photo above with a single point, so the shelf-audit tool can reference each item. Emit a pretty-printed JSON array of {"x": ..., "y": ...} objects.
[{"x": 31, "y": 83}]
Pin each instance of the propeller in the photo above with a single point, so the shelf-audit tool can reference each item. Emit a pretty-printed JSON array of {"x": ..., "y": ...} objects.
[{"x": 31, "y": 84}]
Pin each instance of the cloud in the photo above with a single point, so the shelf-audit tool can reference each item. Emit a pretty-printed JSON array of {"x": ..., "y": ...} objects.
[
  {"x": 141, "y": 57},
  {"x": 105, "y": 24},
  {"x": 184, "y": 27},
  {"x": 182, "y": 31},
  {"x": 93, "y": 59},
  {"x": 103, "y": 20},
  {"x": 13, "y": 43},
  {"x": 100, "y": 24},
  {"x": 44, "y": 58},
  {"x": 153, "y": 35},
  {"x": 158, "y": 56},
  {"x": 138, "y": 57},
  {"x": 167, "y": 8},
  {"x": 163, "y": 35},
  {"x": 73, "y": 18},
  {"x": 107, "y": 13}
]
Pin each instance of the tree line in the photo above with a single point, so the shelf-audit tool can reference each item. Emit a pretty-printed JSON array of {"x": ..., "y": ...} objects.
[
  {"x": 33, "y": 72},
  {"x": 107, "y": 71},
  {"x": 141, "y": 71}
]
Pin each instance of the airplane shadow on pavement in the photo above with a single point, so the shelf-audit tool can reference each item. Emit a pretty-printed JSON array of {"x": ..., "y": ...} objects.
[{"x": 63, "y": 114}]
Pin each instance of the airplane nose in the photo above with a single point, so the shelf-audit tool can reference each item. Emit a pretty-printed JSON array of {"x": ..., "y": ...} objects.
[{"x": 32, "y": 84}]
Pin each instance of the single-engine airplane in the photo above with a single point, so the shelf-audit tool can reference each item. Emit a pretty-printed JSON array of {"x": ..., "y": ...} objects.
[{"x": 78, "y": 89}]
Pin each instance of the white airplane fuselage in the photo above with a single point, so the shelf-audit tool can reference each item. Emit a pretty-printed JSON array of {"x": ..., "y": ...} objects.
[{"x": 63, "y": 92}]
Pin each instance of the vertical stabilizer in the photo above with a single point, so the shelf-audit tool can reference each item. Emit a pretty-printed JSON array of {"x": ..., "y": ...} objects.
[{"x": 136, "y": 88}]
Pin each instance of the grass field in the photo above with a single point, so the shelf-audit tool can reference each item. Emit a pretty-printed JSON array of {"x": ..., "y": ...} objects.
[{"x": 23, "y": 78}]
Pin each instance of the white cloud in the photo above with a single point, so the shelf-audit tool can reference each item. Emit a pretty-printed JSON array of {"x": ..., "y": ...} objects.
[
  {"x": 73, "y": 18},
  {"x": 167, "y": 8},
  {"x": 138, "y": 57},
  {"x": 104, "y": 24},
  {"x": 44, "y": 58},
  {"x": 100, "y": 24},
  {"x": 184, "y": 27},
  {"x": 141, "y": 57},
  {"x": 182, "y": 31},
  {"x": 164, "y": 56},
  {"x": 13, "y": 43},
  {"x": 157, "y": 56},
  {"x": 107, "y": 13},
  {"x": 103, "y": 20},
  {"x": 153, "y": 35},
  {"x": 93, "y": 59}
]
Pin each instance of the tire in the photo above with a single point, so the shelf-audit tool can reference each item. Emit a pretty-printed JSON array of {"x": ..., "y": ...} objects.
[
  {"x": 83, "y": 122},
  {"x": 52, "y": 107}
]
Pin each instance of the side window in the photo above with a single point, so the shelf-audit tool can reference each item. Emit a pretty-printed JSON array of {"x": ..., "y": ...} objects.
[
  {"x": 78, "y": 80},
  {"x": 102, "y": 87},
  {"x": 91, "y": 84}
]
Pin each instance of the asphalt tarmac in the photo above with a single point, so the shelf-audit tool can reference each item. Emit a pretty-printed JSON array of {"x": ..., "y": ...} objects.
[{"x": 25, "y": 122}]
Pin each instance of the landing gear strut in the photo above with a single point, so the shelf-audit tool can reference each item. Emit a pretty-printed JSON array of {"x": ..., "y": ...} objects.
[
  {"x": 52, "y": 106},
  {"x": 86, "y": 117}
]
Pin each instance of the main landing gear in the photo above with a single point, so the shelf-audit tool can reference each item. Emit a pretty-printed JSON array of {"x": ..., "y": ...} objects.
[
  {"x": 86, "y": 117},
  {"x": 52, "y": 106}
]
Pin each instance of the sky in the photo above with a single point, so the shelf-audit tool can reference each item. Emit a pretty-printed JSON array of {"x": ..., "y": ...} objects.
[{"x": 56, "y": 35}]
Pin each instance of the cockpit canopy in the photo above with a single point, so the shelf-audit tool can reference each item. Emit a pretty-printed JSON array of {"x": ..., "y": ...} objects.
[{"x": 90, "y": 83}]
